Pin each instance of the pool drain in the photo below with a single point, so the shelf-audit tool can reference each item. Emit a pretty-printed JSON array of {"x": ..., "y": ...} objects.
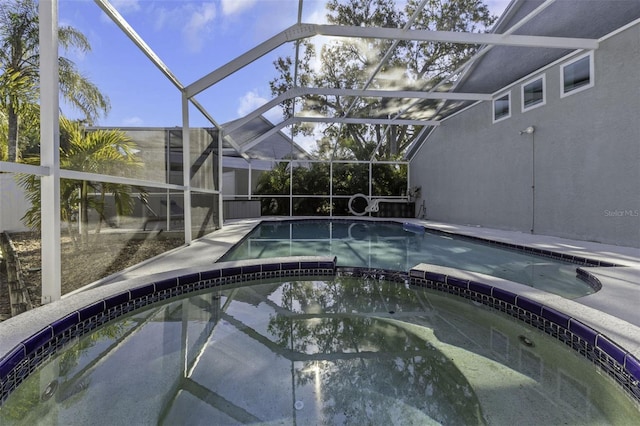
[
  {"x": 49, "y": 390},
  {"x": 526, "y": 341},
  {"x": 299, "y": 405}
]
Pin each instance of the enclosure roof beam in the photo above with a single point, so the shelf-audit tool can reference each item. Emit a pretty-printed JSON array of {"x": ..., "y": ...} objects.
[
  {"x": 296, "y": 120},
  {"x": 208, "y": 116},
  {"x": 300, "y": 31},
  {"x": 466, "y": 67},
  {"x": 95, "y": 177},
  {"x": 9, "y": 167},
  {"x": 364, "y": 120},
  {"x": 295, "y": 32},
  {"x": 138, "y": 41},
  {"x": 457, "y": 37},
  {"x": 302, "y": 91}
]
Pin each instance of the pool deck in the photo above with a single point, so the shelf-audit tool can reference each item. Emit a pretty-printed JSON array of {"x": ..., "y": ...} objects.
[
  {"x": 619, "y": 296},
  {"x": 612, "y": 310}
]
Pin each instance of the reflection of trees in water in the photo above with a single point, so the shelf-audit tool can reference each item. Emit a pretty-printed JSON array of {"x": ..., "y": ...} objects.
[
  {"x": 78, "y": 362},
  {"x": 75, "y": 366},
  {"x": 364, "y": 362}
]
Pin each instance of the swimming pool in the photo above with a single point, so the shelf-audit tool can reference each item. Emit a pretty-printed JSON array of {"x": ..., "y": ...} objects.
[
  {"x": 394, "y": 246},
  {"x": 339, "y": 350}
]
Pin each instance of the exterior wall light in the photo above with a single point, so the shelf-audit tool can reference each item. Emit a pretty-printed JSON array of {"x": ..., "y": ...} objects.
[{"x": 529, "y": 131}]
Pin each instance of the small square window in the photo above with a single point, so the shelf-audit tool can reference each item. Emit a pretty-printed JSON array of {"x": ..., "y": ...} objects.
[
  {"x": 533, "y": 94},
  {"x": 502, "y": 107},
  {"x": 577, "y": 75}
]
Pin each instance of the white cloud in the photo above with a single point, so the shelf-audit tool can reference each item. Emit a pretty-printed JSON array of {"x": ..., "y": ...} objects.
[
  {"x": 123, "y": 7},
  {"x": 497, "y": 6},
  {"x": 199, "y": 25},
  {"x": 274, "y": 115},
  {"x": 133, "y": 121},
  {"x": 162, "y": 17},
  {"x": 236, "y": 7},
  {"x": 317, "y": 15},
  {"x": 309, "y": 143},
  {"x": 253, "y": 100},
  {"x": 249, "y": 102}
]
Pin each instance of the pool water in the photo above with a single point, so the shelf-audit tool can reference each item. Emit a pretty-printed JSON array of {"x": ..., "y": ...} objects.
[
  {"x": 340, "y": 351},
  {"x": 386, "y": 245}
]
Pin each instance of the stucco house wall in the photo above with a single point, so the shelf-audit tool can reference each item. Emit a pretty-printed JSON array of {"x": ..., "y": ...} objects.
[{"x": 583, "y": 158}]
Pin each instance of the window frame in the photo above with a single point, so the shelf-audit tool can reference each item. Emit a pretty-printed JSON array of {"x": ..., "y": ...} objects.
[
  {"x": 493, "y": 110},
  {"x": 563, "y": 93},
  {"x": 542, "y": 102}
]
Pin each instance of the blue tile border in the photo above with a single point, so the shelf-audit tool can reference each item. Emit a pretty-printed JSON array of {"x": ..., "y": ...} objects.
[
  {"x": 556, "y": 317},
  {"x": 376, "y": 274},
  {"x": 18, "y": 363},
  {"x": 65, "y": 323},
  {"x": 589, "y": 278},
  {"x": 605, "y": 353},
  {"x": 585, "y": 332},
  {"x": 583, "y": 261},
  {"x": 611, "y": 358}
]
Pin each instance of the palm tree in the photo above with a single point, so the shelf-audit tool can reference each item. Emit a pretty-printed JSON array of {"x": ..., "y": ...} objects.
[
  {"x": 100, "y": 151},
  {"x": 19, "y": 65},
  {"x": 3, "y": 136}
]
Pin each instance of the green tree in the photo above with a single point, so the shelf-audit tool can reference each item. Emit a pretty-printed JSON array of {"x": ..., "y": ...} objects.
[
  {"x": 19, "y": 70},
  {"x": 313, "y": 179},
  {"x": 100, "y": 151},
  {"x": 408, "y": 65},
  {"x": 275, "y": 182}
]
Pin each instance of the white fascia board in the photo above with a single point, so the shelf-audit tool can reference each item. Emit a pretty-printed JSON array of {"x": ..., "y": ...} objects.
[
  {"x": 138, "y": 41},
  {"x": 234, "y": 162},
  {"x": 261, "y": 165},
  {"x": 239, "y": 163}
]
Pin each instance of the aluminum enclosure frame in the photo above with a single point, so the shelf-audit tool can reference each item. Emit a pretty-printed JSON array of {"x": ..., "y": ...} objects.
[{"x": 50, "y": 168}]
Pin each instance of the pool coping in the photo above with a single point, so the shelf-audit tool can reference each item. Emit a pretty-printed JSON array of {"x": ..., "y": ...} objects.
[
  {"x": 609, "y": 342},
  {"x": 33, "y": 337},
  {"x": 29, "y": 339},
  {"x": 26, "y": 340}
]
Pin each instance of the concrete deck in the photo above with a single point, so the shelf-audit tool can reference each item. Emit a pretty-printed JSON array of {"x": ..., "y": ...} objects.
[
  {"x": 619, "y": 296},
  {"x": 611, "y": 311}
]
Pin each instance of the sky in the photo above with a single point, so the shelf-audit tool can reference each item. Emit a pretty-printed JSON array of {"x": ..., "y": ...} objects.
[{"x": 192, "y": 38}]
